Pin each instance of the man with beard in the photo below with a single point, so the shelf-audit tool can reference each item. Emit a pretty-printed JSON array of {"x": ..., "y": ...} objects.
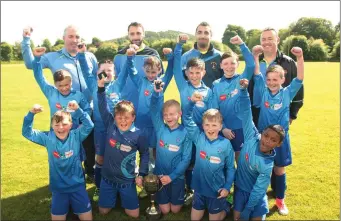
[
  {"x": 203, "y": 49},
  {"x": 135, "y": 35}
]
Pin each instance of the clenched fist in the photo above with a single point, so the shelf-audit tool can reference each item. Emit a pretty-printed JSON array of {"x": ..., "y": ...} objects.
[
  {"x": 166, "y": 51},
  {"x": 39, "y": 51},
  {"x": 37, "y": 108},
  {"x": 297, "y": 51},
  {"x": 236, "y": 40},
  {"x": 257, "y": 50},
  {"x": 182, "y": 38}
]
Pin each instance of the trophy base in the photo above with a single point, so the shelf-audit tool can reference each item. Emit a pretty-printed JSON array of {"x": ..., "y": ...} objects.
[{"x": 153, "y": 213}]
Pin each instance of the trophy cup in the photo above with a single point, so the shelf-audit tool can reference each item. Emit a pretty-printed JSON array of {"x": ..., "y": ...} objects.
[{"x": 152, "y": 184}]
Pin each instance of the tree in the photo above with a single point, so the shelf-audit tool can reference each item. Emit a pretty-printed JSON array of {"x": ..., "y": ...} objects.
[
  {"x": 96, "y": 41},
  {"x": 107, "y": 50},
  {"x": 253, "y": 38},
  {"x": 318, "y": 50},
  {"x": 295, "y": 41},
  {"x": 6, "y": 51},
  {"x": 231, "y": 31},
  {"x": 159, "y": 45},
  {"x": 47, "y": 45},
  {"x": 17, "y": 51},
  {"x": 318, "y": 28},
  {"x": 57, "y": 47},
  {"x": 59, "y": 42},
  {"x": 335, "y": 54},
  {"x": 283, "y": 34}
]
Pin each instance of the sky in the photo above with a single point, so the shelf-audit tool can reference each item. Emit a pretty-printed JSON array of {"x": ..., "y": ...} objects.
[{"x": 108, "y": 20}]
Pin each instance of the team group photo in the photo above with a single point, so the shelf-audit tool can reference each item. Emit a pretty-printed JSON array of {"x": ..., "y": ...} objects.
[{"x": 174, "y": 124}]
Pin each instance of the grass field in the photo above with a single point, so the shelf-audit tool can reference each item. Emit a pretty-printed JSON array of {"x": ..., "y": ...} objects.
[{"x": 313, "y": 179}]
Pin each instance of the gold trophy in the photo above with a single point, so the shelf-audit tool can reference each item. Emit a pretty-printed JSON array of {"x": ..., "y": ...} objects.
[{"x": 152, "y": 184}]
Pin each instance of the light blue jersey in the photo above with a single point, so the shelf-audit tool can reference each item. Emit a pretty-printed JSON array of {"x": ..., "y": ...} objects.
[{"x": 65, "y": 168}]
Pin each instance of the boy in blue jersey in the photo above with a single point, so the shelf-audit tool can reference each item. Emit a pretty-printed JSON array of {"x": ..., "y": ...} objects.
[
  {"x": 214, "y": 170},
  {"x": 173, "y": 151},
  {"x": 122, "y": 143},
  {"x": 64, "y": 156},
  {"x": 195, "y": 71},
  {"x": 255, "y": 163},
  {"x": 226, "y": 92},
  {"x": 113, "y": 93},
  {"x": 274, "y": 102},
  {"x": 59, "y": 95},
  {"x": 152, "y": 68}
]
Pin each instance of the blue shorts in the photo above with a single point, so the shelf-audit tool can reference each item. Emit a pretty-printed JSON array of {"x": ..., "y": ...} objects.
[
  {"x": 150, "y": 134},
  {"x": 213, "y": 205},
  {"x": 99, "y": 138},
  {"x": 238, "y": 140},
  {"x": 283, "y": 153},
  {"x": 79, "y": 201},
  {"x": 108, "y": 195},
  {"x": 240, "y": 199},
  {"x": 172, "y": 193}
]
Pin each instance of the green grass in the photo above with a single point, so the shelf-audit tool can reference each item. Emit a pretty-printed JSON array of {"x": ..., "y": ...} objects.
[{"x": 313, "y": 179}]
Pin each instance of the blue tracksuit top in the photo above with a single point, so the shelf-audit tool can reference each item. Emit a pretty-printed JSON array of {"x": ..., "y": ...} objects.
[
  {"x": 121, "y": 148},
  {"x": 112, "y": 90},
  {"x": 186, "y": 89},
  {"x": 65, "y": 167},
  {"x": 145, "y": 89},
  {"x": 129, "y": 91},
  {"x": 56, "y": 100},
  {"x": 226, "y": 92},
  {"x": 173, "y": 148},
  {"x": 214, "y": 162},
  {"x": 274, "y": 109},
  {"x": 62, "y": 60},
  {"x": 254, "y": 168}
]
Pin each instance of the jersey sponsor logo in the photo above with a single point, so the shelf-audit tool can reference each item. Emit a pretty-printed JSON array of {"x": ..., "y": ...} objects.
[
  {"x": 273, "y": 106},
  {"x": 222, "y": 97},
  {"x": 173, "y": 148},
  {"x": 112, "y": 142},
  {"x": 56, "y": 154},
  {"x": 113, "y": 96},
  {"x": 146, "y": 93},
  {"x": 214, "y": 65},
  {"x": 161, "y": 143},
  {"x": 125, "y": 148},
  {"x": 199, "y": 104},
  {"x": 212, "y": 159},
  {"x": 247, "y": 157},
  {"x": 68, "y": 154},
  {"x": 234, "y": 92},
  {"x": 189, "y": 98},
  {"x": 58, "y": 106}
]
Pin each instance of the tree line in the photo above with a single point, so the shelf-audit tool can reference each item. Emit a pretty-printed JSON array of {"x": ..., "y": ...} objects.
[{"x": 317, "y": 37}]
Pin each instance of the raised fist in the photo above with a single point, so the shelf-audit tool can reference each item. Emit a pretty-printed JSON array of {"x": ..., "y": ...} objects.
[
  {"x": 39, "y": 51},
  {"x": 236, "y": 40},
  {"x": 244, "y": 83},
  {"x": 27, "y": 31},
  {"x": 257, "y": 50},
  {"x": 131, "y": 52},
  {"x": 297, "y": 51},
  {"x": 134, "y": 46},
  {"x": 72, "y": 105},
  {"x": 182, "y": 38},
  {"x": 196, "y": 96},
  {"x": 37, "y": 108},
  {"x": 166, "y": 51}
]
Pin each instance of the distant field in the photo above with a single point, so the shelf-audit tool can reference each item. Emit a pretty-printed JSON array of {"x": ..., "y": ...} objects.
[{"x": 313, "y": 180}]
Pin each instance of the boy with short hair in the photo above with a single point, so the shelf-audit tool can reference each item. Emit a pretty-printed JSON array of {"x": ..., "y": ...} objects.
[
  {"x": 226, "y": 93},
  {"x": 173, "y": 151},
  {"x": 195, "y": 71},
  {"x": 255, "y": 163},
  {"x": 214, "y": 170},
  {"x": 274, "y": 102},
  {"x": 122, "y": 142},
  {"x": 152, "y": 69},
  {"x": 113, "y": 95},
  {"x": 64, "y": 156},
  {"x": 59, "y": 95}
]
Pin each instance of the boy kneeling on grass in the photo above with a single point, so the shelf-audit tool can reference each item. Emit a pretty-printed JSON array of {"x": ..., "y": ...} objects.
[{"x": 64, "y": 155}]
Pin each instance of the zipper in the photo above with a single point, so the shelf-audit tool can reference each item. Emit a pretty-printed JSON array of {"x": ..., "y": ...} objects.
[{"x": 79, "y": 80}]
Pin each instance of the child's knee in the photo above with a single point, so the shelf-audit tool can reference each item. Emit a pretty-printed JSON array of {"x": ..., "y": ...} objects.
[
  {"x": 165, "y": 208},
  {"x": 99, "y": 160},
  {"x": 279, "y": 170},
  {"x": 176, "y": 208},
  {"x": 104, "y": 211},
  {"x": 133, "y": 213}
]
